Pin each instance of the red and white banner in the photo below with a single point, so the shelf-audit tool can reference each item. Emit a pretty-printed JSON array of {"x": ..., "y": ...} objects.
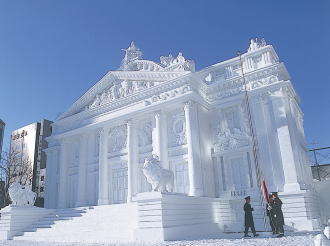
[{"x": 265, "y": 191}]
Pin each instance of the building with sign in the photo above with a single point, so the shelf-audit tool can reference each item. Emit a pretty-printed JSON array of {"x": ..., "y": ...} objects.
[
  {"x": 221, "y": 130},
  {"x": 29, "y": 142}
]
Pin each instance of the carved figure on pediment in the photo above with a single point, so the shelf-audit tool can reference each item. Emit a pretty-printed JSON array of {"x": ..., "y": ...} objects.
[
  {"x": 96, "y": 102},
  {"x": 166, "y": 60},
  {"x": 115, "y": 91},
  {"x": 104, "y": 97},
  {"x": 208, "y": 78},
  {"x": 177, "y": 64},
  {"x": 126, "y": 88},
  {"x": 180, "y": 58},
  {"x": 161, "y": 179},
  {"x": 256, "y": 43}
]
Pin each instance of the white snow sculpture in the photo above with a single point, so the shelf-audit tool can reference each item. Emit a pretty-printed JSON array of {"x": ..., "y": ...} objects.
[
  {"x": 21, "y": 195},
  {"x": 160, "y": 179},
  {"x": 321, "y": 240}
]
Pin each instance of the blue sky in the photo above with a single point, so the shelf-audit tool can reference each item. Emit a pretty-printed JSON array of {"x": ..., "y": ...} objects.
[{"x": 51, "y": 52}]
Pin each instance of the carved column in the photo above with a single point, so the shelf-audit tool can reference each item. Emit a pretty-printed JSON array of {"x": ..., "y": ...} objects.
[
  {"x": 132, "y": 149},
  {"x": 63, "y": 173},
  {"x": 51, "y": 192},
  {"x": 194, "y": 162},
  {"x": 160, "y": 138},
  {"x": 82, "y": 174},
  {"x": 280, "y": 110},
  {"x": 103, "y": 167}
]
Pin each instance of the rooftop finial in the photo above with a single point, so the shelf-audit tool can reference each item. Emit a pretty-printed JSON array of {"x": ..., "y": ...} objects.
[{"x": 131, "y": 53}]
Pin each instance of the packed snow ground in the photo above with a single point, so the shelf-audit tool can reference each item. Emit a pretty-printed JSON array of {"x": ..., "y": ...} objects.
[{"x": 296, "y": 239}]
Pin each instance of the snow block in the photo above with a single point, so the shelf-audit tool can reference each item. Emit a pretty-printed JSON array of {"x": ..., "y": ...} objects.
[
  {"x": 300, "y": 210},
  {"x": 164, "y": 217}
]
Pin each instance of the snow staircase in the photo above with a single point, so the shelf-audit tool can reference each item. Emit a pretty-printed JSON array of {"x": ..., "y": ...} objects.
[{"x": 89, "y": 224}]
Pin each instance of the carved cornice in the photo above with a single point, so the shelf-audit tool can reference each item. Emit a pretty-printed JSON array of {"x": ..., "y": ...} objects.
[{"x": 169, "y": 85}]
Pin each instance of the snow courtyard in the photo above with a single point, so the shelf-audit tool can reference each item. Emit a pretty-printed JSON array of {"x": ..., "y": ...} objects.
[{"x": 291, "y": 239}]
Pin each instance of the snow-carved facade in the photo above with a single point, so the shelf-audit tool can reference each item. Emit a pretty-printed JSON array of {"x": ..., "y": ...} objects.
[{"x": 200, "y": 125}]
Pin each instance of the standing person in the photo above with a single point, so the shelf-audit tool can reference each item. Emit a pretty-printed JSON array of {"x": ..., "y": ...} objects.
[
  {"x": 249, "y": 223},
  {"x": 270, "y": 214},
  {"x": 278, "y": 214}
]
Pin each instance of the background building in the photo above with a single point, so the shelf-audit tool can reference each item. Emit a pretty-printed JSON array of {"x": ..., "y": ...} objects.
[
  {"x": 2, "y": 131},
  {"x": 30, "y": 142}
]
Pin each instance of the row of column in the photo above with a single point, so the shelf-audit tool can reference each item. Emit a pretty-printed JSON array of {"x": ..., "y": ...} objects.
[{"x": 160, "y": 148}]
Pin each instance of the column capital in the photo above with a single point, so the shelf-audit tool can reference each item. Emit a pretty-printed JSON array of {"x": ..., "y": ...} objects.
[
  {"x": 158, "y": 114},
  {"x": 189, "y": 104}
]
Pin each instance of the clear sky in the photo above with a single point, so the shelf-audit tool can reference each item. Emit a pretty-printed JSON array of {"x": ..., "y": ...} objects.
[{"x": 51, "y": 52}]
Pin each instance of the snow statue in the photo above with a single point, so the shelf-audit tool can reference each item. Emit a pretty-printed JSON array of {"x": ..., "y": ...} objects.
[
  {"x": 160, "y": 179},
  {"x": 21, "y": 195}
]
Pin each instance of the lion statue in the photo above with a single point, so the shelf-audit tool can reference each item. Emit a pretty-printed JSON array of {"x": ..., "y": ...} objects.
[
  {"x": 160, "y": 179},
  {"x": 21, "y": 195}
]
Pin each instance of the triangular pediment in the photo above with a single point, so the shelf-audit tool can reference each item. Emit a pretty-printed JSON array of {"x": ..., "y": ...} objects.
[
  {"x": 118, "y": 85},
  {"x": 134, "y": 76}
]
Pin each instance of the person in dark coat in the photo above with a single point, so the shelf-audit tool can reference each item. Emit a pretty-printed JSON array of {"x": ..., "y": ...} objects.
[
  {"x": 270, "y": 214},
  {"x": 278, "y": 214},
  {"x": 249, "y": 223}
]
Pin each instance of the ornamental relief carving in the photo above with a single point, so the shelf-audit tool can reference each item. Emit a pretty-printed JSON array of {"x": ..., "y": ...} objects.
[
  {"x": 145, "y": 134},
  {"x": 117, "y": 139},
  {"x": 235, "y": 87},
  {"x": 119, "y": 90},
  {"x": 168, "y": 94},
  {"x": 177, "y": 129},
  {"x": 229, "y": 130},
  {"x": 263, "y": 81}
]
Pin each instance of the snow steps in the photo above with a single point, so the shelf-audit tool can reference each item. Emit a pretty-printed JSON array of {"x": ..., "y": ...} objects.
[{"x": 90, "y": 224}]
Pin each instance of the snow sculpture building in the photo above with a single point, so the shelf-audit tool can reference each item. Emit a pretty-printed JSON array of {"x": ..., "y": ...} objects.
[{"x": 220, "y": 133}]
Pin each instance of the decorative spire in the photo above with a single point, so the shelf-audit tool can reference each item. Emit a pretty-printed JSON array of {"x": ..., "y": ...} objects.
[{"x": 131, "y": 53}]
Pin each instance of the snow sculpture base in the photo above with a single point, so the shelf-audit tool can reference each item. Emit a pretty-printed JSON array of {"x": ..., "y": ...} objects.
[
  {"x": 14, "y": 219},
  {"x": 170, "y": 216},
  {"x": 300, "y": 210}
]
